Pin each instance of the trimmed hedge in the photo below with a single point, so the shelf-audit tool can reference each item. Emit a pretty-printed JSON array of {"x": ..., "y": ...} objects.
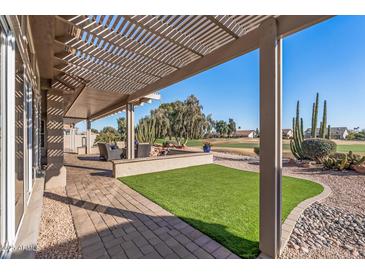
[{"x": 317, "y": 149}]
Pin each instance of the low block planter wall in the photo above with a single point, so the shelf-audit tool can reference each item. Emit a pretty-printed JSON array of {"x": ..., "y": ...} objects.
[{"x": 122, "y": 168}]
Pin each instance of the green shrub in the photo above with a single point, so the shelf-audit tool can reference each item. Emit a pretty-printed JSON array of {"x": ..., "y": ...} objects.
[
  {"x": 256, "y": 150},
  {"x": 317, "y": 149}
]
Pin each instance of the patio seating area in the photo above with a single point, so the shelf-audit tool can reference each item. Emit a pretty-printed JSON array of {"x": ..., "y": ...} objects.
[{"x": 110, "y": 152}]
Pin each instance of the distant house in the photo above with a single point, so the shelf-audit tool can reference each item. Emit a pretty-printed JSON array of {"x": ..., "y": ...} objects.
[
  {"x": 287, "y": 133},
  {"x": 245, "y": 134},
  {"x": 339, "y": 133}
]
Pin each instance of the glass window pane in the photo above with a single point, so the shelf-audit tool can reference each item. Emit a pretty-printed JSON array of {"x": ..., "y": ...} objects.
[
  {"x": 19, "y": 138},
  {"x": 35, "y": 137}
]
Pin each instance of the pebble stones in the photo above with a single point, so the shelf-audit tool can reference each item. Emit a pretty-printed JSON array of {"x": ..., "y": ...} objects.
[
  {"x": 57, "y": 236},
  {"x": 321, "y": 226}
]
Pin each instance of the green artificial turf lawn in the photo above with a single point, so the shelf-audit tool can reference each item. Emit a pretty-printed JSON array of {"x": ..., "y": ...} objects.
[{"x": 219, "y": 201}]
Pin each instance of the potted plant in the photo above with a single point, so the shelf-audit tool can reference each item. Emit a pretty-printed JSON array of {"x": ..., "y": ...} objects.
[{"x": 207, "y": 147}]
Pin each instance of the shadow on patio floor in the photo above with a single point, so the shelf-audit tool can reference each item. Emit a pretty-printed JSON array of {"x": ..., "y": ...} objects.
[
  {"x": 89, "y": 167},
  {"x": 139, "y": 235}
]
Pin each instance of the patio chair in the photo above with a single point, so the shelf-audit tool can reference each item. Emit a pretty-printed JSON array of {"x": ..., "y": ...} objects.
[
  {"x": 108, "y": 152},
  {"x": 143, "y": 150},
  {"x": 102, "y": 151}
]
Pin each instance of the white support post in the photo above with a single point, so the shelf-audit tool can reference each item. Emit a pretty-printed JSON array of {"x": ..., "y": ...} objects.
[
  {"x": 72, "y": 138},
  {"x": 130, "y": 131},
  {"x": 270, "y": 139},
  {"x": 88, "y": 137}
]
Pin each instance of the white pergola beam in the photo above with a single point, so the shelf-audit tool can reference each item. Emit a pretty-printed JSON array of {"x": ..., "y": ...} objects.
[
  {"x": 154, "y": 96},
  {"x": 88, "y": 137},
  {"x": 130, "y": 130},
  {"x": 122, "y": 106},
  {"x": 270, "y": 139}
]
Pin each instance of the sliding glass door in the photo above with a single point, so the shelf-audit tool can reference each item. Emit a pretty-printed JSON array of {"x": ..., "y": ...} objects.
[
  {"x": 19, "y": 138},
  {"x": 18, "y": 134}
]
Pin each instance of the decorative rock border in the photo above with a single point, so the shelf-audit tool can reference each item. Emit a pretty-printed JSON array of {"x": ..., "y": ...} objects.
[{"x": 291, "y": 220}]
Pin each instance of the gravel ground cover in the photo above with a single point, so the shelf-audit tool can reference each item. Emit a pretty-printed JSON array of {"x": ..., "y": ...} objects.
[
  {"x": 57, "y": 238},
  {"x": 333, "y": 228},
  {"x": 327, "y": 231}
]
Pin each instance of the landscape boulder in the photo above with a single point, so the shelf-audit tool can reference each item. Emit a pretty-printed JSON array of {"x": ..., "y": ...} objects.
[{"x": 360, "y": 169}]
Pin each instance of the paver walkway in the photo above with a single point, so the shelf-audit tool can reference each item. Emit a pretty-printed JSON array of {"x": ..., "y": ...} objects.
[{"x": 114, "y": 221}]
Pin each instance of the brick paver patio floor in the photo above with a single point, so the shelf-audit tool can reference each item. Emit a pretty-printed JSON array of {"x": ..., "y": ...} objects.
[{"x": 114, "y": 221}]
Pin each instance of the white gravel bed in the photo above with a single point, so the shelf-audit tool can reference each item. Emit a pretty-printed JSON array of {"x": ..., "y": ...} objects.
[
  {"x": 57, "y": 238},
  {"x": 327, "y": 231},
  {"x": 336, "y": 217}
]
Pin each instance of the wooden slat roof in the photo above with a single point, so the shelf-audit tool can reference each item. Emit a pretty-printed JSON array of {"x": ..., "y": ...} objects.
[
  {"x": 135, "y": 55},
  {"x": 126, "y": 53}
]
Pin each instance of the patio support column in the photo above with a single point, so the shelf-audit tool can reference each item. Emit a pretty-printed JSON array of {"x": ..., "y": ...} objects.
[
  {"x": 72, "y": 138},
  {"x": 270, "y": 139},
  {"x": 130, "y": 130},
  {"x": 88, "y": 136},
  {"x": 56, "y": 172}
]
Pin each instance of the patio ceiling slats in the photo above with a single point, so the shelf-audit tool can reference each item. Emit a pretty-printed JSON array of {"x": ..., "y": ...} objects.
[
  {"x": 125, "y": 50},
  {"x": 126, "y": 53},
  {"x": 123, "y": 41},
  {"x": 136, "y": 55},
  {"x": 108, "y": 69}
]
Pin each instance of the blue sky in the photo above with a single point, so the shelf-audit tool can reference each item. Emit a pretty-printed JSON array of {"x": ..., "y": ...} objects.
[{"x": 328, "y": 58}]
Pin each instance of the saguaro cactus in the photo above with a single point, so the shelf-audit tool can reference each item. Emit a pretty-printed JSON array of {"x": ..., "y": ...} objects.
[
  {"x": 329, "y": 132},
  {"x": 298, "y": 136},
  {"x": 322, "y": 132},
  {"x": 315, "y": 117}
]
